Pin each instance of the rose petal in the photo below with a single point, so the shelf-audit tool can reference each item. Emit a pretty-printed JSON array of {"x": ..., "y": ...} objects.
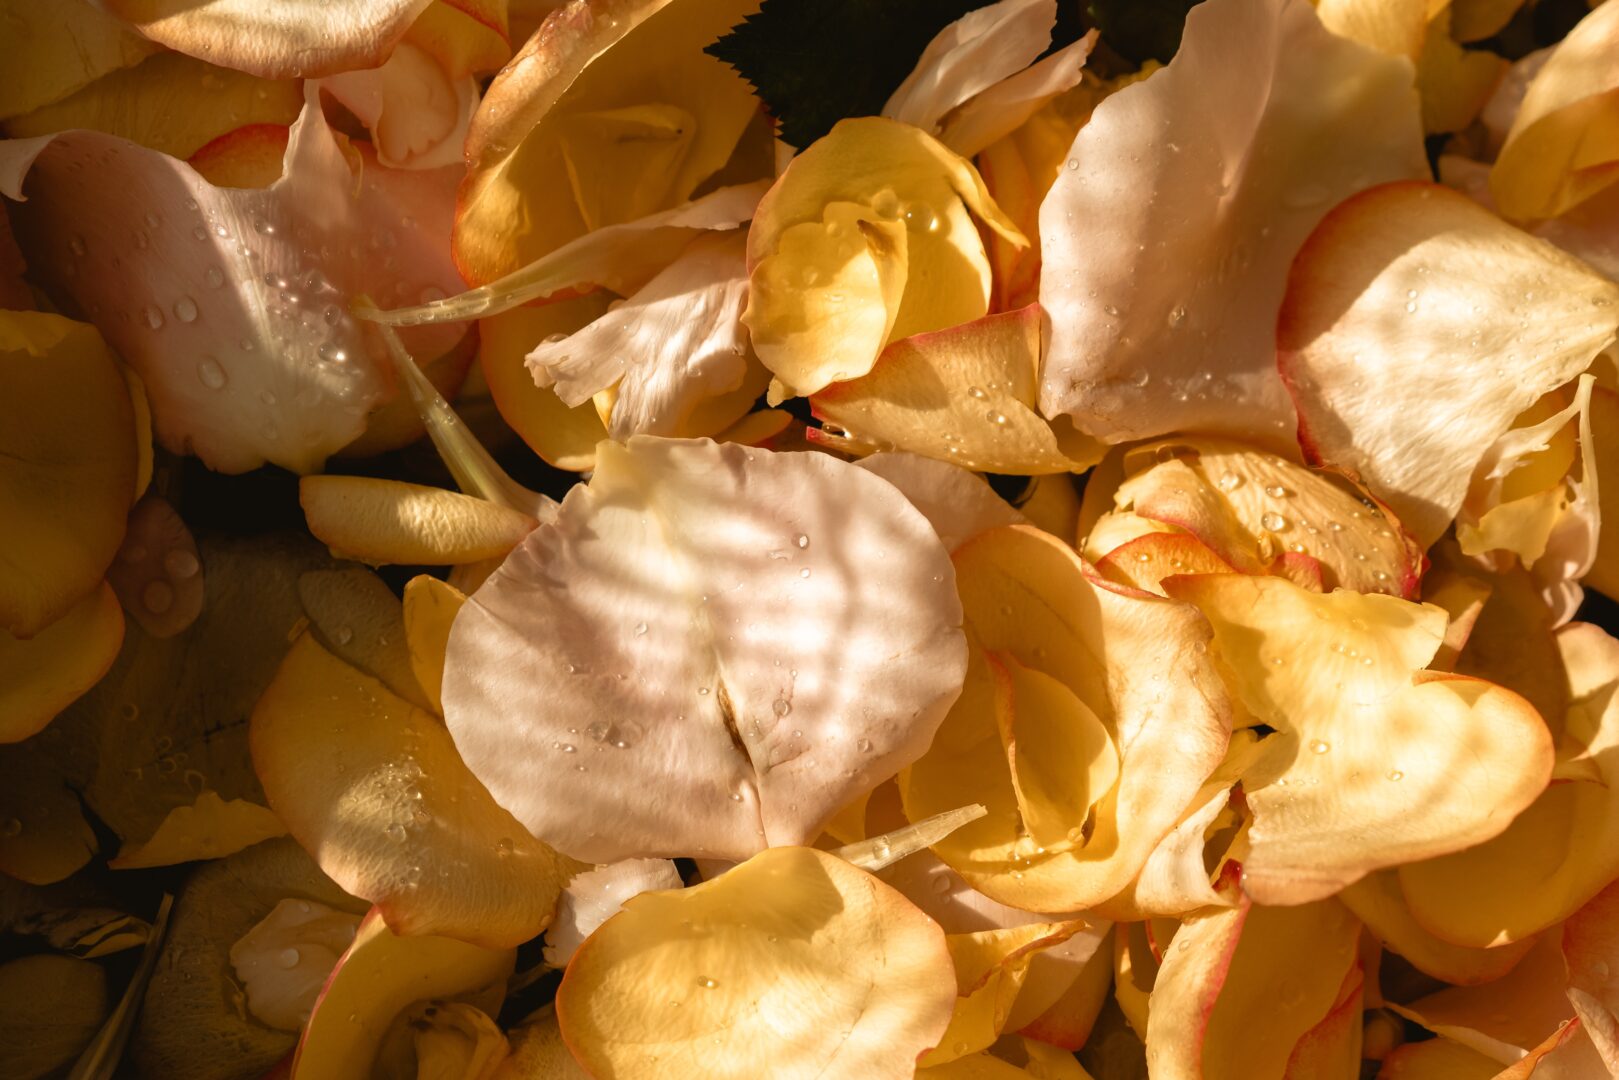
[
  {"x": 673, "y": 345},
  {"x": 210, "y": 826},
  {"x": 1505, "y": 1018},
  {"x": 1561, "y": 149},
  {"x": 1148, "y": 302},
  {"x": 872, "y": 209},
  {"x": 430, "y": 608},
  {"x": 970, "y": 55},
  {"x": 565, "y": 437},
  {"x": 1001, "y": 109},
  {"x": 302, "y": 38},
  {"x": 965, "y": 394},
  {"x": 1591, "y": 949},
  {"x": 1026, "y": 594},
  {"x": 958, "y": 504},
  {"x": 1242, "y": 986},
  {"x": 170, "y": 103},
  {"x": 417, "y": 112},
  {"x": 375, "y": 789},
  {"x": 287, "y": 956},
  {"x": 67, "y": 444},
  {"x": 538, "y": 1052},
  {"x": 1564, "y": 844},
  {"x": 157, "y": 574},
  {"x": 1438, "y": 1059},
  {"x": 593, "y": 897},
  {"x": 388, "y": 521},
  {"x": 1375, "y": 762},
  {"x": 1377, "y": 901},
  {"x": 231, "y": 303},
  {"x": 1378, "y": 306},
  {"x": 606, "y": 115},
  {"x": 42, "y": 675},
  {"x": 55, "y": 50},
  {"x": 380, "y": 975},
  {"x": 1143, "y": 563},
  {"x": 777, "y": 672},
  {"x": 792, "y": 965}
]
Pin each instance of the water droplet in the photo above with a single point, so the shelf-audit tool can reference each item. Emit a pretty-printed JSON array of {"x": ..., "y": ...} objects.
[
  {"x": 331, "y": 352},
  {"x": 640, "y": 629},
  {"x": 158, "y": 597},
  {"x": 1229, "y": 481},
  {"x": 214, "y": 276},
  {"x": 395, "y": 832},
  {"x": 804, "y": 573},
  {"x": 287, "y": 958},
  {"x": 1276, "y": 491},
  {"x": 781, "y": 707},
  {"x": 503, "y": 846},
  {"x": 1273, "y": 522},
  {"x": 210, "y": 374},
  {"x": 1073, "y": 164},
  {"x": 154, "y": 317},
  {"x": 1410, "y": 307},
  {"x": 976, "y": 392},
  {"x": 566, "y": 748},
  {"x": 802, "y": 541},
  {"x": 180, "y": 564},
  {"x": 1317, "y": 746},
  {"x": 185, "y": 309},
  {"x": 1176, "y": 317},
  {"x": 863, "y": 745},
  {"x": 706, "y": 983},
  {"x": 152, "y": 220},
  {"x": 996, "y": 418},
  {"x": 1396, "y": 775},
  {"x": 736, "y": 796}
]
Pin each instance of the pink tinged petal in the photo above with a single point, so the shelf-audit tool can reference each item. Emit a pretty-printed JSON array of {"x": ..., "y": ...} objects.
[
  {"x": 298, "y": 39},
  {"x": 418, "y": 114},
  {"x": 1166, "y": 239},
  {"x": 1002, "y": 109},
  {"x": 595, "y": 896},
  {"x": 157, "y": 573},
  {"x": 673, "y": 345},
  {"x": 231, "y": 304},
  {"x": 713, "y": 648},
  {"x": 1413, "y": 291},
  {"x": 971, "y": 54}
]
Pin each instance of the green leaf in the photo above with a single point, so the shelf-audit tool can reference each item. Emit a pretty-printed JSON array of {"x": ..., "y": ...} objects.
[{"x": 815, "y": 62}]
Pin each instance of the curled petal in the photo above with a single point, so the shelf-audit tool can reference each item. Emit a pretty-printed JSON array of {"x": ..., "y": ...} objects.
[
  {"x": 1564, "y": 843},
  {"x": 565, "y": 437},
  {"x": 1561, "y": 148},
  {"x": 232, "y": 303},
  {"x": 379, "y": 976},
  {"x": 417, "y": 113},
  {"x": 787, "y": 631},
  {"x": 1161, "y": 321},
  {"x": 609, "y": 113},
  {"x": 1375, "y": 761},
  {"x": 67, "y": 466},
  {"x": 794, "y": 965},
  {"x": 672, "y": 346},
  {"x": 867, "y": 237},
  {"x": 388, "y": 521},
  {"x": 965, "y": 395},
  {"x": 970, "y": 55},
  {"x": 374, "y": 787},
  {"x": 1379, "y": 304}
]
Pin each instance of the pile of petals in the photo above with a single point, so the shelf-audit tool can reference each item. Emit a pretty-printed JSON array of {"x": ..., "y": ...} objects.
[{"x": 844, "y": 539}]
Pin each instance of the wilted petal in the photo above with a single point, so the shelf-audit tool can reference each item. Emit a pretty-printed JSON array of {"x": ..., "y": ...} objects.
[
  {"x": 1385, "y": 302},
  {"x": 873, "y": 211},
  {"x": 67, "y": 466},
  {"x": 1167, "y": 238},
  {"x": 793, "y": 965},
  {"x": 389, "y": 521},
  {"x": 1557, "y": 853},
  {"x": 231, "y": 303},
  {"x": 785, "y": 626},
  {"x": 672, "y": 346},
  {"x": 1561, "y": 148},
  {"x": 605, "y": 116},
  {"x": 1375, "y": 761},
  {"x": 380, "y": 975},
  {"x": 965, "y": 394}
]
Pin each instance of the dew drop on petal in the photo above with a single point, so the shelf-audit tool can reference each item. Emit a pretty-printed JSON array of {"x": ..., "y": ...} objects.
[
  {"x": 1396, "y": 775},
  {"x": 158, "y": 597},
  {"x": 1273, "y": 522},
  {"x": 185, "y": 309},
  {"x": 180, "y": 564},
  {"x": 287, "y": 958},
  {"x": 396, "y": 833},
  {"x": 154, "y": 317},
  {"x": 210, "y": 374},
  {"x": 1318, "y": 746}
]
